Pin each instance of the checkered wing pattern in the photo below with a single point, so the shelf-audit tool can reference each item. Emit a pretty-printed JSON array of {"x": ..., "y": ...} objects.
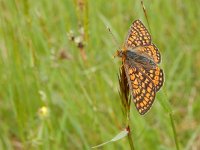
[
  {"x": 141, "y": 87},
  {"x": 138, "y": 35},
  {"x": 156, "y": 75},
  {"x": 152, "y": 51}
]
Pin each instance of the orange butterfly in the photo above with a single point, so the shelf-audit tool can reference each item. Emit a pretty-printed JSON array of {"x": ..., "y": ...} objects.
[{"x": 140, "y": 59}]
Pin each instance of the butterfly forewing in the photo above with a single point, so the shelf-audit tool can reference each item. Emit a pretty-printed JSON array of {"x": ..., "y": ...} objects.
[
  {"x": 138, "y": 35},
  {"x": 141, "y": 87}
]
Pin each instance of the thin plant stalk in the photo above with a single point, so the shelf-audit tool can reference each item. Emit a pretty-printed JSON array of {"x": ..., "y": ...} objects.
[
  {"x": 126, "y": 101},
  {"x": 167, "y": 107},
  {"x": 174, "y": 130}
]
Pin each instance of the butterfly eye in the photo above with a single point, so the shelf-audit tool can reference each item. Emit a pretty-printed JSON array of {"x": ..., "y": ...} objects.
[{"x": 119, "y": 53}]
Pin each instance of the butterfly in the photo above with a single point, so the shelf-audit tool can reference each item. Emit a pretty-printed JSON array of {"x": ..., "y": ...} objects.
[{"x": 140, "y": 59}]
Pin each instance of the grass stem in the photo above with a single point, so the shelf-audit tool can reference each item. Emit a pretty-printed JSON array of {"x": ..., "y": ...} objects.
[
  {"x": 174, "y": 130},
  {"x": 126, "y": 101},
  {"x": 130, "y": 139}
]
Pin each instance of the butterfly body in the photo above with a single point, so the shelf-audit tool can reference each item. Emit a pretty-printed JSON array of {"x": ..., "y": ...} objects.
[
  {"x": 133, "y": 57},
  {"x": 140, "y": 58}
]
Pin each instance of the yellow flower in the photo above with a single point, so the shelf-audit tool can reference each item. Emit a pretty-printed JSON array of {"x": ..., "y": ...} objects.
[{"x": 43, "y": 112}]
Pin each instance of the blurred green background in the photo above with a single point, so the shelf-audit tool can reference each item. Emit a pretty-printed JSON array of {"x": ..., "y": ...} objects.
[{"x": 58, "y": 79}]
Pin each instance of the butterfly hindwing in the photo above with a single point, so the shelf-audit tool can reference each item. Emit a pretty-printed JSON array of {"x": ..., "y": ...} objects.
[
  {"x": 152, "y": 51},
  {"x": 156, "y": 75}
]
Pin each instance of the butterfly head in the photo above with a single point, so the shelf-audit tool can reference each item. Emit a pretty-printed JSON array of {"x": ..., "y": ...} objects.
[{"x": 119, "y": 53}]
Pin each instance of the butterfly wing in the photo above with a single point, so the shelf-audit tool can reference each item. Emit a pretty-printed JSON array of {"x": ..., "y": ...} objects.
[
  {"x": 156, "y": 75},
  {"x": 138, "y": 35},
  {"x": 152, "y": 51},
  {"x": 141, "y": 87}
]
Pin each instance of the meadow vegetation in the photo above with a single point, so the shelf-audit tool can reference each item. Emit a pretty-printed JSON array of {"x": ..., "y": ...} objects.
[{"x": 59, "y": 81}]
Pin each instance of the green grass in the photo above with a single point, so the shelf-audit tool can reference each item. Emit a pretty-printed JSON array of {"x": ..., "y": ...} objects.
[{"x": 81, "y": 96}]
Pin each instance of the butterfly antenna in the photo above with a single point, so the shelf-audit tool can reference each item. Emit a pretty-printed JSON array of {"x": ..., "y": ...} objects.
[
  {"x": 114, "y": 38},
  {"x": 145, "y": 13}
]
